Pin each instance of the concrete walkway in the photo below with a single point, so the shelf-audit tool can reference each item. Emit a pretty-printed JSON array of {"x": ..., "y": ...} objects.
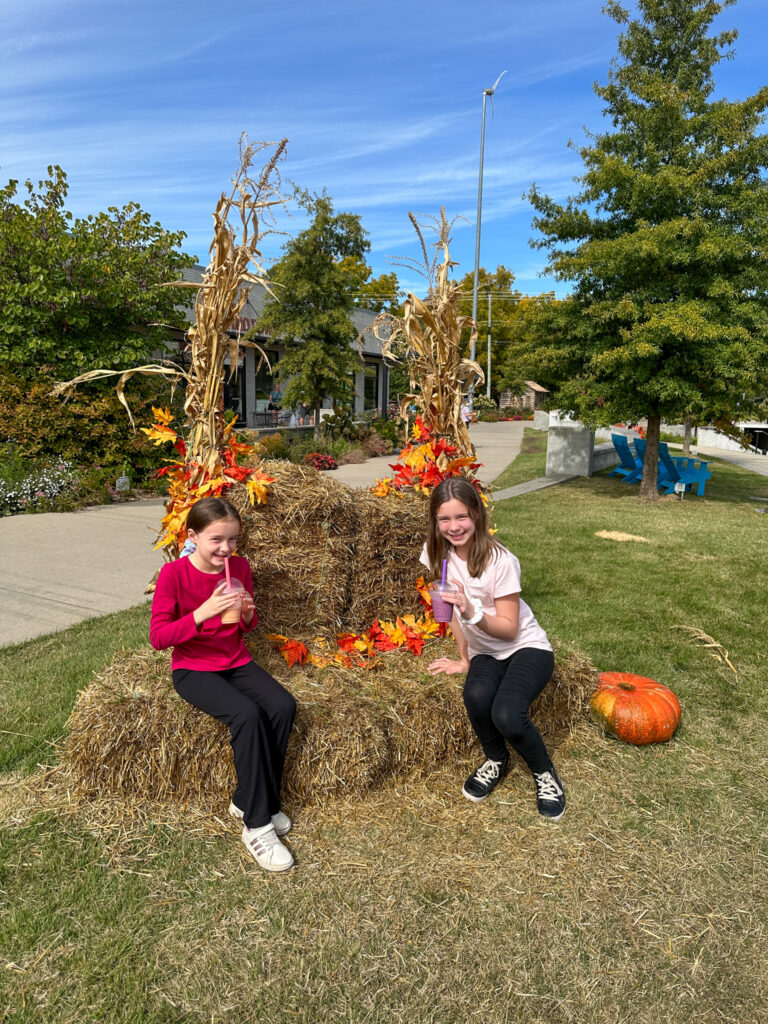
[
  {"x": 747, "y": 460},
  {"x": 59, "y": 568},
  {"x": 497, "y": 444}
]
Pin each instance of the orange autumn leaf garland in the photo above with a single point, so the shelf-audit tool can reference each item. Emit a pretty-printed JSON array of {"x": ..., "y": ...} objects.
[
  {"x": 209, "y": 482},
  {"x": 425, "y": 462}
]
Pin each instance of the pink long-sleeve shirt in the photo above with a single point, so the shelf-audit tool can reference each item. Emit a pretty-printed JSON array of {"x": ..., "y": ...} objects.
[{"x": 212, "y": 646}]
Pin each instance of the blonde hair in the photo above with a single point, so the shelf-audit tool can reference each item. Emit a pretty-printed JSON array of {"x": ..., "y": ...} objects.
[{"x": 483, "y": 545}]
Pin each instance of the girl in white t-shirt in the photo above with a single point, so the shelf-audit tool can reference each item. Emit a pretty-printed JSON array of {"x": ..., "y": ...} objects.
[{"x": 502, "y": 648}]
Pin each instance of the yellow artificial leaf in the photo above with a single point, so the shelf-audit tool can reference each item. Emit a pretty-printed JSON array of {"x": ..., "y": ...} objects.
[
  {"x": 164, "y": 416},
  {"x": 257, "y": 491},
  {"x": 160, "y": 434}
]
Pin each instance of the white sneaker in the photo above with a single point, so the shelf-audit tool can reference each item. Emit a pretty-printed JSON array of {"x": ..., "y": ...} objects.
[
  {"x": 281, "y": 821},
  {"x": 269, "y": 853}
]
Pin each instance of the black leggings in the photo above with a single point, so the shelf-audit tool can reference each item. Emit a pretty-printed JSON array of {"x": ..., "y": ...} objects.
[
  {"x": 259, "y": 713},
  {"x": 497, "y": 696}
]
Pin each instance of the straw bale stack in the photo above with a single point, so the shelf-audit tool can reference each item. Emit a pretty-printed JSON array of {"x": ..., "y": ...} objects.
[
  {"x": 326, "y": 558},
  {"x": 132, "y": 736},
  {"x": 300, "y": 545},
  {"x": 389, "y": 536}
]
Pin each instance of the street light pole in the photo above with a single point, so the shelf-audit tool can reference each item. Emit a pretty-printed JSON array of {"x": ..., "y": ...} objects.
[{"x": 486, "y": 93}]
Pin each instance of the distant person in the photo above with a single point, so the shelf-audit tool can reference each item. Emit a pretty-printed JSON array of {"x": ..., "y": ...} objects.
[
  {"x": 275, "y": 403},
  {"x": 504, "y": 652},
  {"x": 212, "y": 670},
  {"x": 466, "y": 414},
  {"x": 303, "y": 413}
]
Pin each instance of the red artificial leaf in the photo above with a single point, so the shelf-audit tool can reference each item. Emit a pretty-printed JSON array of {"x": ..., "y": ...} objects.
[{"x": 294, "y": 652}]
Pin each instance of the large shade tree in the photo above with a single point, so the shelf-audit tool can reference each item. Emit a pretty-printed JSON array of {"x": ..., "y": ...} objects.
[
  {"x": 81, "y": 292},
  {"x": 667, "y": 241},
  {"x": 314, "y": 296}
]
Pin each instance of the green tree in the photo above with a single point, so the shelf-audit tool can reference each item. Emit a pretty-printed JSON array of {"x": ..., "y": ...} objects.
[
  {"x": 81, "y": 292},
  {"x": 310, "y": 315},
  {"x": 667, "y": 241},
  {"x": 372, "y": 293}
]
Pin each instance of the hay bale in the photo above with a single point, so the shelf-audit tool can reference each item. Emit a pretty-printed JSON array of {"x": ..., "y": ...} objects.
[
  {"x": 389, "y": 535},
  {"x": 326, "y": 558},
  {"x": 131, "y": 735},
  {"x": 299, "y": 545}
]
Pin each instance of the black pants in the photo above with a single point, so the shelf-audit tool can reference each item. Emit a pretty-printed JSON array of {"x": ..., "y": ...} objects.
[
  {"x": 259, "y": 713},
  {"x": 497, "y": 696}
]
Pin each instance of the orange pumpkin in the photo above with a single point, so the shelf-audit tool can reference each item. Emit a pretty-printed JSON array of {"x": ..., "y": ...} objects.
[{"x": 635, "y": 709}]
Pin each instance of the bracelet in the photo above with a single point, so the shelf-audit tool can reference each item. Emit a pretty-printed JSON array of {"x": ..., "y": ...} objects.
[{"x": 478, "y": 613}]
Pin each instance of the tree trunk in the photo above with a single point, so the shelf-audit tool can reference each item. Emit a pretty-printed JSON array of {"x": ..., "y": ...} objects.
[
  {"x": 649, "y": 483},
  {"x": 687, "y": 437}
]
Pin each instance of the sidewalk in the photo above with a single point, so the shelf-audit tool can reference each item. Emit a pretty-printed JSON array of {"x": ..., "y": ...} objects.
[
  {"x": 747, "y": 460},
  {"x": 497, "y": 444},
  {"x": 60, "y": 568}
]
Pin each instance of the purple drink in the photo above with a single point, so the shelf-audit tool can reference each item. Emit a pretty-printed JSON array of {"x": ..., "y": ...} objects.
[{"x": 442, "y": 610}]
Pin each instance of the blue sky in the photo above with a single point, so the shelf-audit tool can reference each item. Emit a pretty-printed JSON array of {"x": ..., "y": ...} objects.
[{"x": 381, "y": 103}]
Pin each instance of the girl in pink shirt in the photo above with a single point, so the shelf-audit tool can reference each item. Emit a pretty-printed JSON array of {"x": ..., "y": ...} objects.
[
  {"x": 213, "y": 671},
  {"x": 503, "y": 650}
]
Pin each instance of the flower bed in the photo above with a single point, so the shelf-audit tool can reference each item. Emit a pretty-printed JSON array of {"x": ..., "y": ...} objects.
[
  {"x": 39, "y": 486},
  {"x": 319, "y": 460}
]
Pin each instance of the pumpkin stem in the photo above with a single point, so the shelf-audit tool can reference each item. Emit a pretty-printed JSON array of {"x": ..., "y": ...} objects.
[{"x": 627, "y": 686}]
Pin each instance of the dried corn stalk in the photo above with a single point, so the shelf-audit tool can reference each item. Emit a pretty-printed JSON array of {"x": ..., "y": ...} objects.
[
  {"x": 428, "y": 336},
  {"x": 221, "y": 296}
]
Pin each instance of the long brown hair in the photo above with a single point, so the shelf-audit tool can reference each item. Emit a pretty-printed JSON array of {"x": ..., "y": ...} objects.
[
  {"x": 210, "y": 510},
  {"x": 483, "y": 544}
]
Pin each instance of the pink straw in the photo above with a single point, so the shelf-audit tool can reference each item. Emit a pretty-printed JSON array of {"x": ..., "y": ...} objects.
[
  {"x": 445, "y": 570},
  {"x": 226, "y": 570}
]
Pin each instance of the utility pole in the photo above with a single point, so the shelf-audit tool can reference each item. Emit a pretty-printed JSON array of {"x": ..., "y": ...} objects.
[
  {"x": 488, "y": 376},
  {"x": 486, "y": 93}
]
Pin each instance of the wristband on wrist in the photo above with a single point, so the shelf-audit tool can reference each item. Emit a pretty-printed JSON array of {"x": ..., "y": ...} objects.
[{"x": 476, "y": 616}]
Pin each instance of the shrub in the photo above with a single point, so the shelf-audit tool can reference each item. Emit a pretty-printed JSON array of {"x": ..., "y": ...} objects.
[
  {"x": 482, "y": 403},
  {"x": 376, "y": 445},
  {"x": 354, "y": 457},
  {"x": 274, "y": 446},
  {"x": 91, "y": 428},
  {"x": 390, "y": 430},
  {"x": 27, "y": 487}
]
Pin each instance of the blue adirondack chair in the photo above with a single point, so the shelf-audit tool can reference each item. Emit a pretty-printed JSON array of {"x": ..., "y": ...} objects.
[
  {"x": 674, "y": 469},
  {"x": 629, "y": 467},
  {"x": 682, "y": 469}
]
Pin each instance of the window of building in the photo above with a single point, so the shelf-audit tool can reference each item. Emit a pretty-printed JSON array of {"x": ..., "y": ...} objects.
[
  {"x": 370, "y": 386},
  {"x": 264, "y": 379}
]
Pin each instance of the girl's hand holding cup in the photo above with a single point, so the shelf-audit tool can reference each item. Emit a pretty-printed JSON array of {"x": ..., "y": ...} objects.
[
  {"x": 247, "y": 608},
  {"x": 217, "y": 604}
]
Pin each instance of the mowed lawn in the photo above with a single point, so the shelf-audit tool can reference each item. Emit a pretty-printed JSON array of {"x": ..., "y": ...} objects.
[{"x": 646, "y": 903}]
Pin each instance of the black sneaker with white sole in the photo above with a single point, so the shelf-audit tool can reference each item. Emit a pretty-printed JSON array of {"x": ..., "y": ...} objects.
[
  {"x": 481, "y": 783},
  {"x": 550, "y": 795}
]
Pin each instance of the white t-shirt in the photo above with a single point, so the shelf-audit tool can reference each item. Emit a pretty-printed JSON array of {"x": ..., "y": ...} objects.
[{"x": 500, "y": 579}]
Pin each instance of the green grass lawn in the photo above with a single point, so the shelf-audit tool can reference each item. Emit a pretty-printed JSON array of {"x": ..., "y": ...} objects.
[{"x": 647, "y": 903}]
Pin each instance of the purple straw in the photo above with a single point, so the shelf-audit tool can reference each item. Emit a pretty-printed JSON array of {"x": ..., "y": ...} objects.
[{"x": 445, "y": 570}]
